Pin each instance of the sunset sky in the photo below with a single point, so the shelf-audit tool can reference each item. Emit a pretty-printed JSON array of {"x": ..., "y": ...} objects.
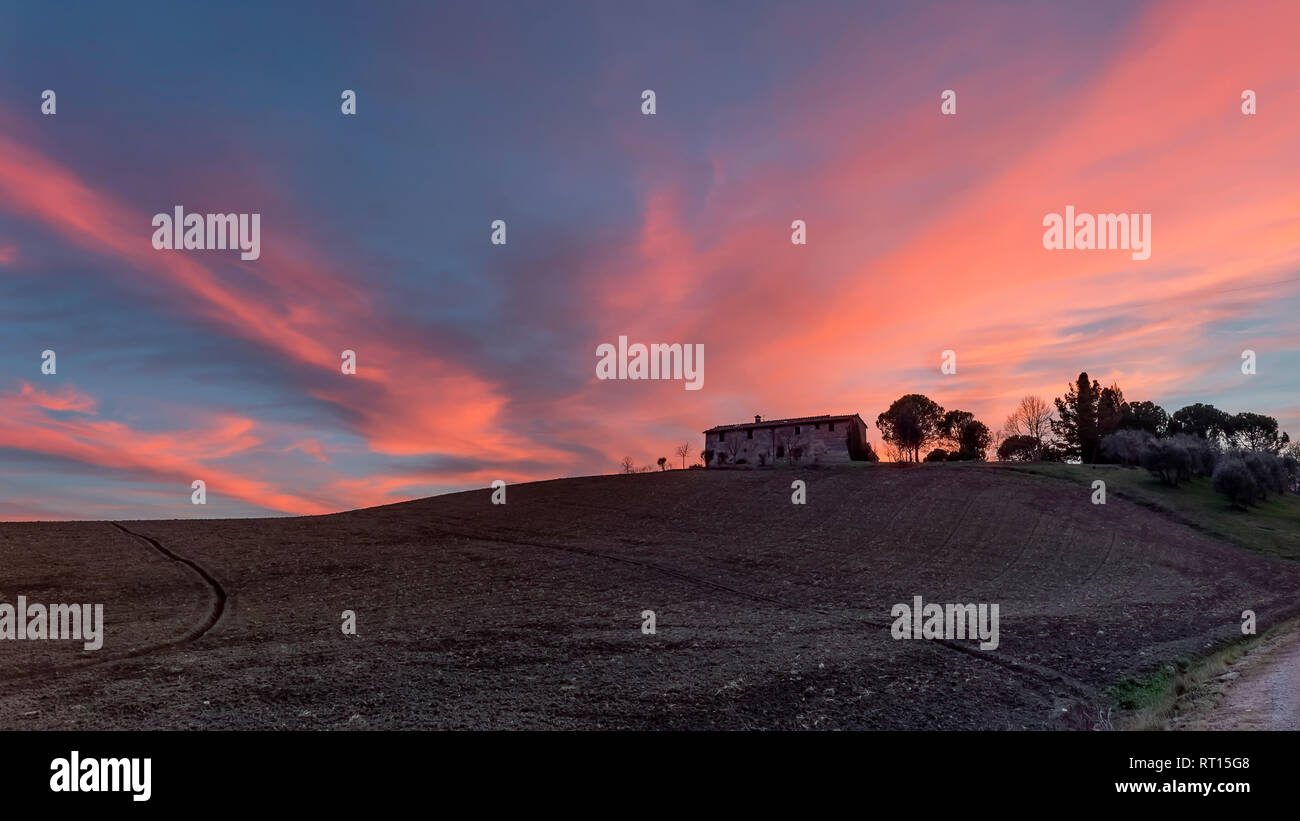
[{"x": 477, "y": 362}]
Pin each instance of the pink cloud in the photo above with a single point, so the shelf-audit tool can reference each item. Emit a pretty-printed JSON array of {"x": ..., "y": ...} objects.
[
  {"x": 63, "y": 399},
  {"x": 848, "y": 324},
  {"x": 180, "y": 456},
  {"x": 403, "y": 399}
]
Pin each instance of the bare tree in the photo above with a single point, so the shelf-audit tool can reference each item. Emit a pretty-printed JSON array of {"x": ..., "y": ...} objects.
[
  {"x": 1032, "y": 417},
  {"x": 733, "y": 449},
  {"x": 791, "y": 445},
  {"x": 995, "y": 442},
  {"x": 627, "y": 464},
  {"x": 683, "y": 450},
  {"x": 784, "y": 439}
]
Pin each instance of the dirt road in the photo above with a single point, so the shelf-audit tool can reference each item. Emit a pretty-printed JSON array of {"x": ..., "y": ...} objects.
[{"x": 1260, "y": 691}]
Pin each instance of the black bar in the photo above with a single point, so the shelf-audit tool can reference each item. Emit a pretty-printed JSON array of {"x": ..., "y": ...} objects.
[{"x": 329, "y": 771}]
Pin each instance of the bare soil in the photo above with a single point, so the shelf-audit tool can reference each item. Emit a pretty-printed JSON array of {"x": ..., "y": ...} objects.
[{"x": 528, "y": 615}]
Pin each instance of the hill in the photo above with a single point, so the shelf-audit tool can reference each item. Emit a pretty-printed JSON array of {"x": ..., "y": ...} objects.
[
  {"x": 1272, "y": 527},
  {"x": 529, "y": 614}
]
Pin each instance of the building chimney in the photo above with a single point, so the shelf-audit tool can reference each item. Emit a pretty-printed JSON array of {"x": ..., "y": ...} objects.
[{"x": 758, "y": 418}]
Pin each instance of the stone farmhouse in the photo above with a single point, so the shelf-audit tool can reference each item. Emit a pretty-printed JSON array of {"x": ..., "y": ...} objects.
[{"x": 804, "y": 439}]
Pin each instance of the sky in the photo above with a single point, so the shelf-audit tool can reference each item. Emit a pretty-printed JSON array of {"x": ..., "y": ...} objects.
[{"x": 476, "y": 361}]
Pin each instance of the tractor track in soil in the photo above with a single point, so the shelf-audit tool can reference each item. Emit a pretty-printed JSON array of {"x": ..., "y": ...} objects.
[
  {"x": 219, "y": 596},
  {"x": 215, "y": 612}
]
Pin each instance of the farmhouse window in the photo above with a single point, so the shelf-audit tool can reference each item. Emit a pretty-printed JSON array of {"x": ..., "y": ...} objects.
[
  {"x": 751, "y": 433},
  {"x": 796, "y": 430},
  {"x": 832, "y": 427}
]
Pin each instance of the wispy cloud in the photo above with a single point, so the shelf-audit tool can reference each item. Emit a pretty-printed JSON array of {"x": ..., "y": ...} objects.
[{"x": 476, "y": 362}]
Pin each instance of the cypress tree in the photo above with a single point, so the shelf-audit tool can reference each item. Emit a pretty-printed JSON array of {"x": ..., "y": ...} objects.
[{"x": 1077, "y": 426}]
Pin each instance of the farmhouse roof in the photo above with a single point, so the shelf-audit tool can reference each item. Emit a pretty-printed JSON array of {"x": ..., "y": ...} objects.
[{"x": 774, "y": 423}]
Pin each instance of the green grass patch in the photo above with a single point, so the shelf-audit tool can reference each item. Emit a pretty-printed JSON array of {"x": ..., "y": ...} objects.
[
  {"x": 1148, "y": 702},
  {"x": 1140, "y": 693},
  {"x": 1271, "y": 528}
]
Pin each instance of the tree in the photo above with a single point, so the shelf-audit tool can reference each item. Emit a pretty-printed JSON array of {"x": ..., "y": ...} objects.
[
  {"x": 974, "y": 441},
  {"x": 1125, "y": 445},
  {"x": 1147, "y": 416},
  {"x": 1077, "y": 423},
  {"x": 663, "y": 461},
  {"x": 1167, "y": 460},
  {"x": 937, "y": 455},
  {"x": 895, "y": 453},
  {"x": 1256, "y": 432},
  {"x": 996, "y": 438},
  {"x": 950, "y": 429},
  {"x": 628, "y": 464},
  {"x": 1233, "y": 479},
  {"x": 1032, "y": 417},
  {"x": 1052, "y": 452},
  {"x": 911, "y": 423},
  {"x": 1019, "y": 448},
  {"x": 967, "y": 437},
  {"x": 1204, "y": 421},
  {"x": 1204, "y": 453},
  {"x": 1110, "y": 410},
  {"x": 733, "y": 449},
  {"x": 1291, "y": 462},
  {"x": 1269, "y": 472},
  {"x": 789, "y": 446},
  {"x": 683, "y": 450}
]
